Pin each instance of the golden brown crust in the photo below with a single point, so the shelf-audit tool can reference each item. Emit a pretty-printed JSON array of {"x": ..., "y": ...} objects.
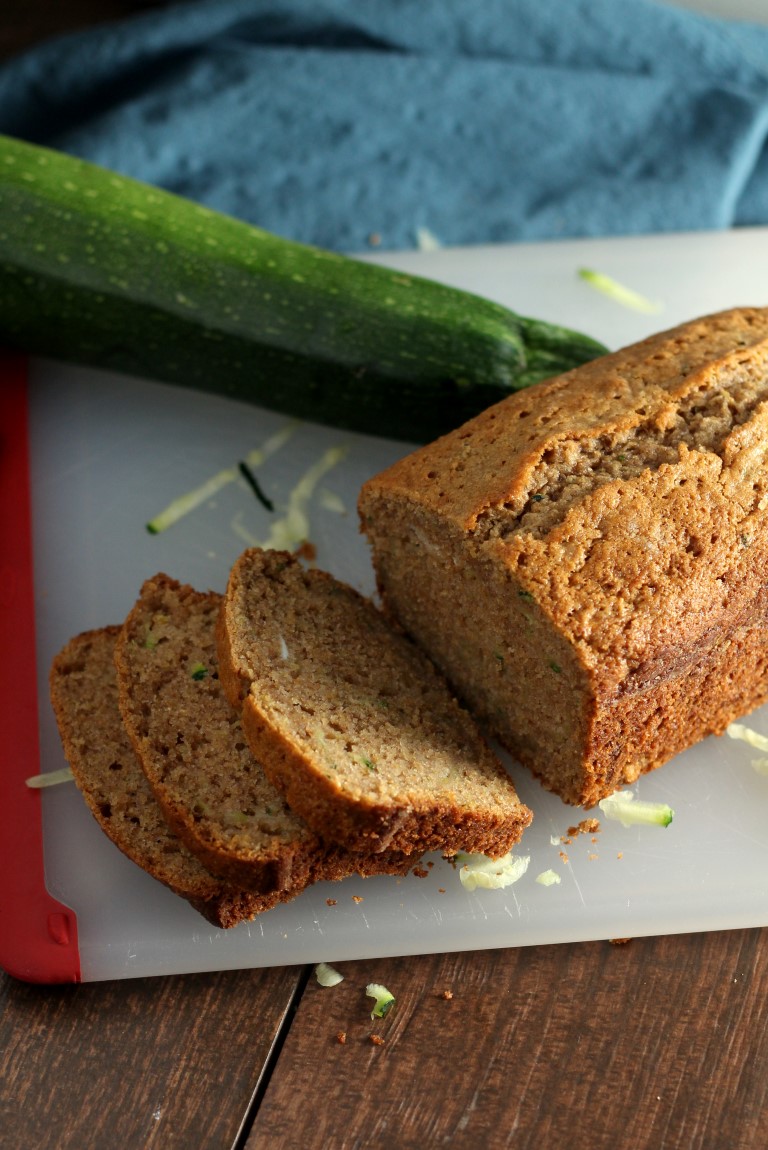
[
  {"x": 489, "y": 461},
  {"x": 600, "y": 536}
]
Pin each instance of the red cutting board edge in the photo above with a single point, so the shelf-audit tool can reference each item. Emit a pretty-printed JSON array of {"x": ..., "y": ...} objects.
[{"x": 38, "y": 934}]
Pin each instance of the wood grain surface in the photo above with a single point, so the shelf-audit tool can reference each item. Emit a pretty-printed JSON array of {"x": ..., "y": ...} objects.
[
  {"x": 660, "y": 1043},
  {"x": 165, "y": 1063}
]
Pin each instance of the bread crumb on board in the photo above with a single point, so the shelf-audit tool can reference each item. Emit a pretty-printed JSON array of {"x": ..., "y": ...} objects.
[
  {"x": 307, "y": 551},
  {"x": 330, "y": 902},
  {"x": 357, "y": 898},
  {"x": 619, "y": 941},
  {"x": 446, "y": 994},
  {"x": 377, "y": 1040},
  {"x": 341, "y": 1037},
  {"x": 585, "y": 827}
]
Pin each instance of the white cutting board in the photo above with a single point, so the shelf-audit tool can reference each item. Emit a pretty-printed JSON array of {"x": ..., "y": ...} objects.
[{"x": 108, "y": 454}]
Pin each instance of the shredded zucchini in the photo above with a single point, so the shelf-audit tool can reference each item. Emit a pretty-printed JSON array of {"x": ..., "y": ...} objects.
[
  {"x": 186, "y": 503},
  {"x": 327, "y": 975},
  {"x": 624, "y": 808},
  {"x": 385, "y": 1000},
  {"x": 747, "y": 735},
  {"x": 427, "y": 241},
  {"x": 50, "y": 779},
  {"x": 192, "y": 499},
  {"x": 753, "y": 739},
  {"x": 330, "y": 501},
  {"x": 491, "y": 874},
  {"x": 618, "y": 292},
  {"x": 292, "y": 529}
]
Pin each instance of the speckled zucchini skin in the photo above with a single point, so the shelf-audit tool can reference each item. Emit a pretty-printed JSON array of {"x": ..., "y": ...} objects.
[{"x": 99, "y": 269}]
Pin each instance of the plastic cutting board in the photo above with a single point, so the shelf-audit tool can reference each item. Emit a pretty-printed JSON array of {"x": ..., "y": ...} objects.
[{"x": 88, "y": 458}]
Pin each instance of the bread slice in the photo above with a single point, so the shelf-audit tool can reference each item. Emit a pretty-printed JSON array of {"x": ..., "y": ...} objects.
[
  {"x": 587, "y": 561},
  {"x": 192, "y": 748},
  {"x": 352, "y": 722},
  {"x": 83, "y": 688}
]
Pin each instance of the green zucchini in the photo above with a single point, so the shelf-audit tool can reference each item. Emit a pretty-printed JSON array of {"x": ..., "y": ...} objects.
[{"x": 99, "y": 269}]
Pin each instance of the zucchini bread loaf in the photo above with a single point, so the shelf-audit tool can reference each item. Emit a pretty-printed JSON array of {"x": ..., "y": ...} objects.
[
  {"x": 587, "y": 560},
  {"x": 352, "y": 722}
]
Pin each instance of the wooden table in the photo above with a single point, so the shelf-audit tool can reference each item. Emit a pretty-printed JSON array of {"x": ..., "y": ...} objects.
[
  {"x": 658, "y": 1043},
  {"x": 661, "y": 1042}
]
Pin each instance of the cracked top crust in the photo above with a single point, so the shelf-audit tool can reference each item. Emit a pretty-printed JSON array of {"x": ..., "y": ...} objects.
[
  {"x": 522, "y": 463},
  {"x": 626, "y": 496}
]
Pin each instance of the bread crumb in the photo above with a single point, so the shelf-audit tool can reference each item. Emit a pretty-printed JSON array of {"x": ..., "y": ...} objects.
[
  {"x": 593, "y": 856},
  {"x": 446, "y": 994},
  {"x": 377, "y": 1040},
  {"x": 357, "y": 898},
  {"x": 430, "y": 864},
  {"x": 306, "y": 550},
  {"x": 620, "y": 855},
  {"x": 619, "y": 941},
  {"x": 441, "y": 890},
  {"x": 564, "y": 856},
  {"x": 330, "y": 902},
  {"x": 585, "y": 827},
  {"x": 341, "y": 1037},
  {"x": 420, "y": 872}
]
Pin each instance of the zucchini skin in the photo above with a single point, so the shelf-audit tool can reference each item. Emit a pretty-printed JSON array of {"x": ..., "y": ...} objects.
[{"x": 99, "y": 269}]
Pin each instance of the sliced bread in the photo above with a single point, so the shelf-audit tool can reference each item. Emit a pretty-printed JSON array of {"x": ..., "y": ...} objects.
[
  {"x": 192, "y": 748},
  {"x": 352, "y": 722},
  {"x": 83, "y": 689}
]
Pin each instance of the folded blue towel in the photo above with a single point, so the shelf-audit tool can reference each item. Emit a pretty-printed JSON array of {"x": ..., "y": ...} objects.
[{"x": 336, "y": 121}]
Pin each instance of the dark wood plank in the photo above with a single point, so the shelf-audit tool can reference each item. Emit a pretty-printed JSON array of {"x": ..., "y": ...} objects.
[
  {"x": 166, "y": 1062},
  {"x": 659, "y": 1043}
]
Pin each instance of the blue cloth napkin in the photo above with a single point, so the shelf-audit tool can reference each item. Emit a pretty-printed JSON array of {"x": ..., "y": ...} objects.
[{"x": 349, "y": 122}]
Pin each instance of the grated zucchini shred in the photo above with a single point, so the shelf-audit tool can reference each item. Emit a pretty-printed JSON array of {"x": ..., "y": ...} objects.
[
  {"x": 50, "y": 779},
  {"x": 188, "y": 502},
  {"x": 753, "y": 739},
  {"x": 625, "y": 809},
  {"x": 477, "y": 870},
  {"x": 385, "y": 1000},
  {"x": 618, "y": 292},
  {"x": 327, "y": 975}
]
